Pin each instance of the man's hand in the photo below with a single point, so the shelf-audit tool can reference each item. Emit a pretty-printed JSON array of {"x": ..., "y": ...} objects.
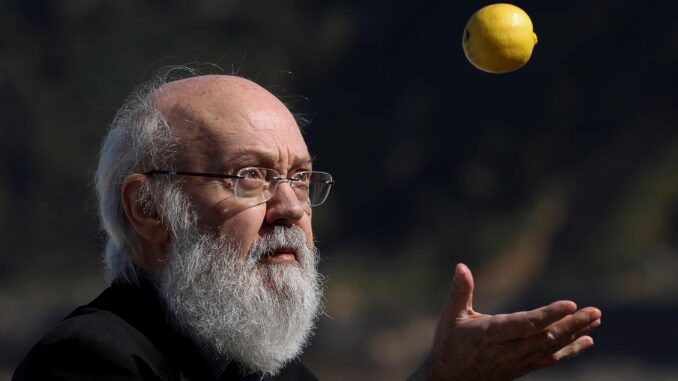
[{"x": 470, "y": 346}]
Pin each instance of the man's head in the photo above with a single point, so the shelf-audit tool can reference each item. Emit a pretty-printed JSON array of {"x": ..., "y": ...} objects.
[{"x": 236, "y": 274}]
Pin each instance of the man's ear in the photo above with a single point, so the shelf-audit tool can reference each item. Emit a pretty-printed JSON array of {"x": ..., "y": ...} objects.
[{"x": 144, "y": 221}]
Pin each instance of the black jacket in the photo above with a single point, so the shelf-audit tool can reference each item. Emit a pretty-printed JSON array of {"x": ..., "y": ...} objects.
[{"x": 124, "y": 334}]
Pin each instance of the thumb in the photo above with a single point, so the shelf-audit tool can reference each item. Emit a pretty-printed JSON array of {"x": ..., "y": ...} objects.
[{"x": 460, "y": 299}]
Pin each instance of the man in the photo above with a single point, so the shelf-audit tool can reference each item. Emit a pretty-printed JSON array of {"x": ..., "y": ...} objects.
[{"x": 206, "y": 188}]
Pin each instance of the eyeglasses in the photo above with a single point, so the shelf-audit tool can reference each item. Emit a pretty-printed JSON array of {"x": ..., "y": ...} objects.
[{"x": 254, "y": 186}]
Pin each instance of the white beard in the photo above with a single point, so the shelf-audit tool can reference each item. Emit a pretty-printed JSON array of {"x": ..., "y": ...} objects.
[{"x": 260, "y": 315}]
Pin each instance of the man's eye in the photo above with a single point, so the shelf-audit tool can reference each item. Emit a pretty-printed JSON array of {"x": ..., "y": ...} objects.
[
  {"x": 302, "y": 176},
  {"x": 251, "y": 173}
]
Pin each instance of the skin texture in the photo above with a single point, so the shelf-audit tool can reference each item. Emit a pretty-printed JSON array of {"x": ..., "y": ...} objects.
[{"x": 225, "y": 123}]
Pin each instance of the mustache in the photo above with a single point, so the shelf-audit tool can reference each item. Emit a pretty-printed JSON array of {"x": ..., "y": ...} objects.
[{"x": 280, "y": 237}]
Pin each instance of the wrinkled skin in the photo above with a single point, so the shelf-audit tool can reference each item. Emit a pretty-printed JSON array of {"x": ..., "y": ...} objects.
[{"x": 470, "y": 346}]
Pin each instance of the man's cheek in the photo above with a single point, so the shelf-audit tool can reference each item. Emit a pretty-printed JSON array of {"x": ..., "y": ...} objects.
[{"x": 244, "y": 227}]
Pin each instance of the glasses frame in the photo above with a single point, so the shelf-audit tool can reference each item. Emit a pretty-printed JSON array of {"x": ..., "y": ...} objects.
[{"x": 278, "y": 179}]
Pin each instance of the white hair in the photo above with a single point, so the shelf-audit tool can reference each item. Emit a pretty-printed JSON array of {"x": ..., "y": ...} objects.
[
  {"x": 259, "y": 315},
  {"x": 139, "y": 137}
]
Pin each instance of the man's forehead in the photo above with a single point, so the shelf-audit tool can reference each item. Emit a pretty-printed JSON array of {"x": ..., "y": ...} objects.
[
  {"x": 213, "y": 115},
  {"x": 214, "y": 95}
]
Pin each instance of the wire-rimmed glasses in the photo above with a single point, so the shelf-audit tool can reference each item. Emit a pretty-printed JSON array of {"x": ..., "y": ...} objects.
[{"x": 253, "y": 185}]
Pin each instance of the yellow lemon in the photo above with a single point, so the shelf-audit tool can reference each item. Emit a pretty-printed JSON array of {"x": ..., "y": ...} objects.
[{"x": 499, "y": 38}]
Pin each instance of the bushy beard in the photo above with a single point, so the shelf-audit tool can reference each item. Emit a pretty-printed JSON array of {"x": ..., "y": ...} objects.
[{"x": 260, "y": 315}]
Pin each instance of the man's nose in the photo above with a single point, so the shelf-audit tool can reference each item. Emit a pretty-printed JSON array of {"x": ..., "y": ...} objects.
[{"x": 284, "y": 208}]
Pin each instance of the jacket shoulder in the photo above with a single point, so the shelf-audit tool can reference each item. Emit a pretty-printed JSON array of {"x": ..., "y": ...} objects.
[{"x": 93, "y": 344}]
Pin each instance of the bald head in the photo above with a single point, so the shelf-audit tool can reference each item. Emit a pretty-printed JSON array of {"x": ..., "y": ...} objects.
[
  {"x": 207, "y": 111},
  {"x": 209, "y": 96}
]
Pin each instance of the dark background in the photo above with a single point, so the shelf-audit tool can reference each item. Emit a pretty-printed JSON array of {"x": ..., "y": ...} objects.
[{"x": 559, "y": 180}]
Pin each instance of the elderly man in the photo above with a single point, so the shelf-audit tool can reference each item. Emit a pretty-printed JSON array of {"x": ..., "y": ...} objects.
[{"x": 206, "y": 190}]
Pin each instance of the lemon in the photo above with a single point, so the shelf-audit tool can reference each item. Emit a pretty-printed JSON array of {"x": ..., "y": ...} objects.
[{"x": 499, "y": 38}]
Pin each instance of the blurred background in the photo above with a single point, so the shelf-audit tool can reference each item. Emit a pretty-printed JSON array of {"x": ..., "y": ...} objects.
[{"x": 556, "y": 181}]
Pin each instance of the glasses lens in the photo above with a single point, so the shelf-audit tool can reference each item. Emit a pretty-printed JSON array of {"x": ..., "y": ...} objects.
[
  {"x": 257, "y": 185},
  {"x": 254, "y": 185},
  {"x": 319, "y": 184}
]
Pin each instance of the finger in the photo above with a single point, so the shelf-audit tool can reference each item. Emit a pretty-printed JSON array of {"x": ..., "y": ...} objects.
[
  {"x": 588, "y": 329},
  {"x": 572, "y": 350},
  {"x": 517, "y": 325},
  {"x": 460, "y": 298},
  {"x": 558, "y": 335}
]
